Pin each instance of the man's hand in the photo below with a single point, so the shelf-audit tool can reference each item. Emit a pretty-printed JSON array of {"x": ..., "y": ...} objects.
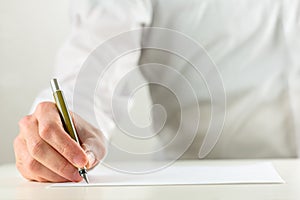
[{"x": 45, "y": 152}]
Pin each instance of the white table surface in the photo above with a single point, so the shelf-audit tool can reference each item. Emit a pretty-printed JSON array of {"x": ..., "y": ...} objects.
[{"x": 13, "y": 186}]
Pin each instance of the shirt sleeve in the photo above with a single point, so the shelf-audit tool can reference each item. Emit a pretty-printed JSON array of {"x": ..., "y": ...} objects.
[{"x": 93, "y": 23}]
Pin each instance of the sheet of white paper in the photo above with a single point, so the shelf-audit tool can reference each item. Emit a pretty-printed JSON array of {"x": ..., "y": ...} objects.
[{"x": 184, "y": 175}]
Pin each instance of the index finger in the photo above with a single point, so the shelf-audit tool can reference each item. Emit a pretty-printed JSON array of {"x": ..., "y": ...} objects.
[{"x": 51, "y": 131}]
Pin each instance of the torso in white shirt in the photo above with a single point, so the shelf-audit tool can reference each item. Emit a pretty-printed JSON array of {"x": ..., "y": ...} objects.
[{"x": 255, "y": 47}]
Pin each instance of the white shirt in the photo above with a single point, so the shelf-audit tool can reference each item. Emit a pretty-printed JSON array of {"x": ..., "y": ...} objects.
[{"x": 255, "y": 47}]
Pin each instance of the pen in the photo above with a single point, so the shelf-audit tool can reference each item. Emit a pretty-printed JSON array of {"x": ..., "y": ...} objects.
[{"x": 66, "y": 119}]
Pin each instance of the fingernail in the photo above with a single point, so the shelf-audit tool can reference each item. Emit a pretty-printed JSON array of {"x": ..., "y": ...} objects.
[{"x": 91, "y": 159}]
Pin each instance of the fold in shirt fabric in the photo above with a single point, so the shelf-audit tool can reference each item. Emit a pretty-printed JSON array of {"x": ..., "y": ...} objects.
[{"x": 255, "y": 47}]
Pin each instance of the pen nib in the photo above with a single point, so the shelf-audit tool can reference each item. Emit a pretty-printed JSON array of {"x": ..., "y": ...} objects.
[
  {"x": 85, "y": 178},
  {"x": 83, "y": 174}
]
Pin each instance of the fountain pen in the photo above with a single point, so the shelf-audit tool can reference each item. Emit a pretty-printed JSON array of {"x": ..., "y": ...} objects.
[{"x": 66, "y": 119}]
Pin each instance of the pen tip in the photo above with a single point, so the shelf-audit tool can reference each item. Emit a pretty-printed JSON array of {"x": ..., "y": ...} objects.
[
  {"x": 83, "y": 174},
  {"x": 85, "y": 178}
]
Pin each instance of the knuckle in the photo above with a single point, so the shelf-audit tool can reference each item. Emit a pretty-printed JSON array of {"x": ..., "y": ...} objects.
[
  {"x": 44, "y": 107},
  {"x": 45, "y": 131},
  {"x": 18, "y": 155},
  {"x": 25, "y": 121},
  {"x": 19, "y": 164},
  {"x": 41, "y": 106},
  {"x": 16, "y": 142},
  {"x": 33, "y": 166},
  {"x": 27, "y": 169},
  {"x": 36, "y": 148}
]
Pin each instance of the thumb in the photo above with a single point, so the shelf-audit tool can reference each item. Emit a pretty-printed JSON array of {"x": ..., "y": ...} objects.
[
  {"x": 92, "y": 162},
  {"x": 94, "y": 150}
]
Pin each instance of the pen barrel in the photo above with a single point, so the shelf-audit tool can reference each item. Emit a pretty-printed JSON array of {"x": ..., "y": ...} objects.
[{"x": 65, "y": 115}]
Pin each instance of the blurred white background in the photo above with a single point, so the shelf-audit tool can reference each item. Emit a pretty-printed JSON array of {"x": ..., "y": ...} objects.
[{"x": 31, "y": 32}]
